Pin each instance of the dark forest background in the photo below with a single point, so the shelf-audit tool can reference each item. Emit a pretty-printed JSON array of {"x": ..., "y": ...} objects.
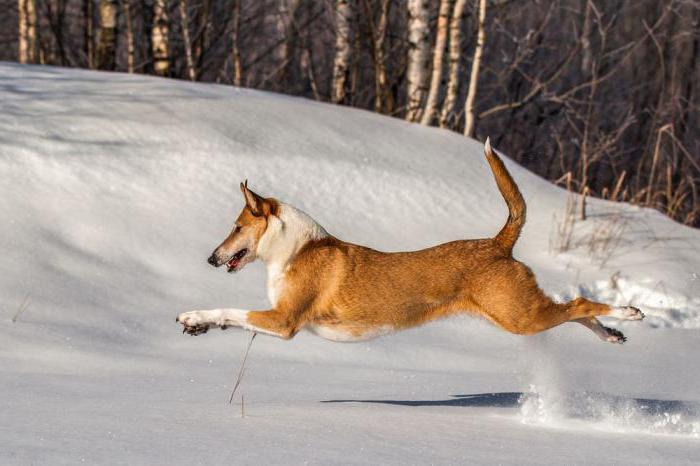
[{"x": 598, "y": 95}]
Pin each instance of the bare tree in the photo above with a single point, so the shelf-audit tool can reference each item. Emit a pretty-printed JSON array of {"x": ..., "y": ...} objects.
[
  {"x": 129, "y": 36},
  {"x": 418, "y": 54},
  {"x": 454, "y": 55},
  {"x": 27, "y": 40},
  {"x": 344, "y": 13},
  {"x": 201, "y": 43},
  {"x": 286, "y": 29},
  {"x": 383, "y": 101},
  {"x": 184, "y": 24},
  {"x": 159, "y": 38},
  {"x": 235, "y": 47},
  {"x": 438, "y": 54},
  {"x": 474, "y": 79},
  {"x": 89, "y": 13},
  {"x": 107, "y": 37}
]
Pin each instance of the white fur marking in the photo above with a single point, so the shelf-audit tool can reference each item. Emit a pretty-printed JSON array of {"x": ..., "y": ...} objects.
[
  {"x": 626, "y": 313},
  {"x": 285, "y": 235}
]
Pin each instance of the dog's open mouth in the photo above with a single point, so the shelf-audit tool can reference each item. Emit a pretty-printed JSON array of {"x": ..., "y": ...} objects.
[{"x": 235, "y": 261}]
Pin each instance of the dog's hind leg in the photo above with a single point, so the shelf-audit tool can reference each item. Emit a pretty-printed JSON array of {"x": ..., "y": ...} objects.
[
  {"x": 546, "y": 314},
  {"x": 608, "y": 334},
  {"x": 582, "y": 307}
]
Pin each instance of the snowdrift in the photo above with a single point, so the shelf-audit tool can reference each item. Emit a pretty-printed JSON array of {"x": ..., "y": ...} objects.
[{"x": 115, "y": 188}]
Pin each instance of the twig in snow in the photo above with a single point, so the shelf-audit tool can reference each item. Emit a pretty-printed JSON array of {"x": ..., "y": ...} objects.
[
  {"x": 22, "y": 307},
  {"x": 240, "y": 372}
]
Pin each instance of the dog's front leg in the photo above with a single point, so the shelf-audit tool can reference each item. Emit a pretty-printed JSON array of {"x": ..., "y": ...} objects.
[{"x": 197, "y": 322}]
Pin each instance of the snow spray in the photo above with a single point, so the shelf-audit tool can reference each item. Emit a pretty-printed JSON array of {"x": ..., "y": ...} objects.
[
  {"x": 544, "y": 402},
  {"x": 549, "y": 402}
]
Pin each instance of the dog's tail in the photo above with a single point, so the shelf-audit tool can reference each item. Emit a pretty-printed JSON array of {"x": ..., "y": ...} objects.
[{"x": 516, "y": 204}]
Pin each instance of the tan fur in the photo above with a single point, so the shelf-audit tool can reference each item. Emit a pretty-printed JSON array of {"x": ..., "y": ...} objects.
[{"x": 355, "y": 290}]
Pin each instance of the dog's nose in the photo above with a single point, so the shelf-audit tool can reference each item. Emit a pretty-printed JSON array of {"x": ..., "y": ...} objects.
[{"x": 212, "y": 260}]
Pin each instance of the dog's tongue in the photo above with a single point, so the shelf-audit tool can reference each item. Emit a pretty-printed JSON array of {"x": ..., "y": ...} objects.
[{"x": 232, "y": 263}]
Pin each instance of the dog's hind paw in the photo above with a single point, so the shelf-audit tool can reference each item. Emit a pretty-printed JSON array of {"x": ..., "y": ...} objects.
[
  {"x": 626, "y": 313},
  {"x": 615, "y": 336}
]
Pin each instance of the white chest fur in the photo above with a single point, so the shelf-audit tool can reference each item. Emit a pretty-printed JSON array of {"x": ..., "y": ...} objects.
[
  {"x": 275, "y": 283},
  {"x": 285, "y": 235}
]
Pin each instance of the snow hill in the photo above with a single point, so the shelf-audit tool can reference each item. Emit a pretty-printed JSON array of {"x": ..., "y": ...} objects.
[{"x": 114, "y": 189}]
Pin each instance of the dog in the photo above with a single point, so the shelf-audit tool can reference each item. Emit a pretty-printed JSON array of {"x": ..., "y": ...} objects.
[{"x": 345, "y": 292}]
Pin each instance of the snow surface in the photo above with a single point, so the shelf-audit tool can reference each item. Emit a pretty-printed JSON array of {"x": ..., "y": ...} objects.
[{"x": 114, "y": 189}]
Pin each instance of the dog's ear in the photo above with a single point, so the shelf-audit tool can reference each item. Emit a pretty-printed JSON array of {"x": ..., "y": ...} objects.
[{"x": 257, "y": 204}]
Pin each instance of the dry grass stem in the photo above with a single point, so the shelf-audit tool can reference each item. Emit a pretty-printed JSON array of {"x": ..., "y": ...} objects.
[
  {"x": 22, "y": 308},
  {"x": 242, "y": 369}
]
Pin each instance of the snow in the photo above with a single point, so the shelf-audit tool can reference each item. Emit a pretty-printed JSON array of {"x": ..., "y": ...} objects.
[{"x": 116, "y": 188}]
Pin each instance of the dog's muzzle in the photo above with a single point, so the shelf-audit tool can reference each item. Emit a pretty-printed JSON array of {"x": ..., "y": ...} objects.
[{"x": 212, "y": 260}]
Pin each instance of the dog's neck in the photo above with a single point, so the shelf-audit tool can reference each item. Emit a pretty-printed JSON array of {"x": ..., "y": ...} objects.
[{"x": 285, "y": 235}]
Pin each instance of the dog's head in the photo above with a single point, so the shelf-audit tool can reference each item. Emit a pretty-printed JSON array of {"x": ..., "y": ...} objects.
[{"x": 240, "y": 247}]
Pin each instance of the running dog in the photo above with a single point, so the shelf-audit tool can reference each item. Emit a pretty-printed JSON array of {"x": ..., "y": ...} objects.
[{"x": 345, "y": 292}]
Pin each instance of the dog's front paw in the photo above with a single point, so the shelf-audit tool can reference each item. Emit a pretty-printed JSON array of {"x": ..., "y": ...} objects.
[{"x": 193, "y": 322}]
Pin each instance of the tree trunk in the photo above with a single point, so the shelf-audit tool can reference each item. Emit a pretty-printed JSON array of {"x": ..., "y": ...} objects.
[
  {"x": 455, "y": 51},
  {"x": 287, "y": 32},
  {"x": 307, "y": 67},
  {"x": 418, "y": 54},
  {"x": 159, "y": 38},
  {"x": 184, "y": 24},
  {"x": 586, "y": 31},
  {"x": 107, "y": 40},
  {"x": 56, "y": 15},
  {"x": 27, "y": 43},
  {"x": 343, "y": 38},
  {"x": 474, "y": 79},
  {"x": 89, "y": 32},
  {"x": 438, "y": 54},
  {"x": 383, "y": 102},
  {"x": 201, "y": 45},
  {"x": 235, "y": 48},
  {"x": 129, "y": 37}
]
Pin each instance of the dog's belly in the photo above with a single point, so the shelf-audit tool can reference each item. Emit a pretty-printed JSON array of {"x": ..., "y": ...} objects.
[{"x": 345, "y": 333}]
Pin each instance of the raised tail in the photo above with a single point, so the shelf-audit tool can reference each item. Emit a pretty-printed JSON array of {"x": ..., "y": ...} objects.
[{"x": 516, "y": 204}]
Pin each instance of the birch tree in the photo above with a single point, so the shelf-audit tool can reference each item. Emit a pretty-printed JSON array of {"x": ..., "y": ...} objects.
[
  {"x": 343, "y": 38},
  {"x": 418, "y": 54},
  {"x": 159, "y": 38},
  {"x": 184, "y": 24},
  {"x": 455, "y": 50},
  {"x": 438, "y": 54},
  {"x": 235, "y": 47},
  {"x": 474, "y": 78},
  {"x": 129, "y": 36},
  {"x": 27, "y": 43},
  {"x": 107, "y": 37}
]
